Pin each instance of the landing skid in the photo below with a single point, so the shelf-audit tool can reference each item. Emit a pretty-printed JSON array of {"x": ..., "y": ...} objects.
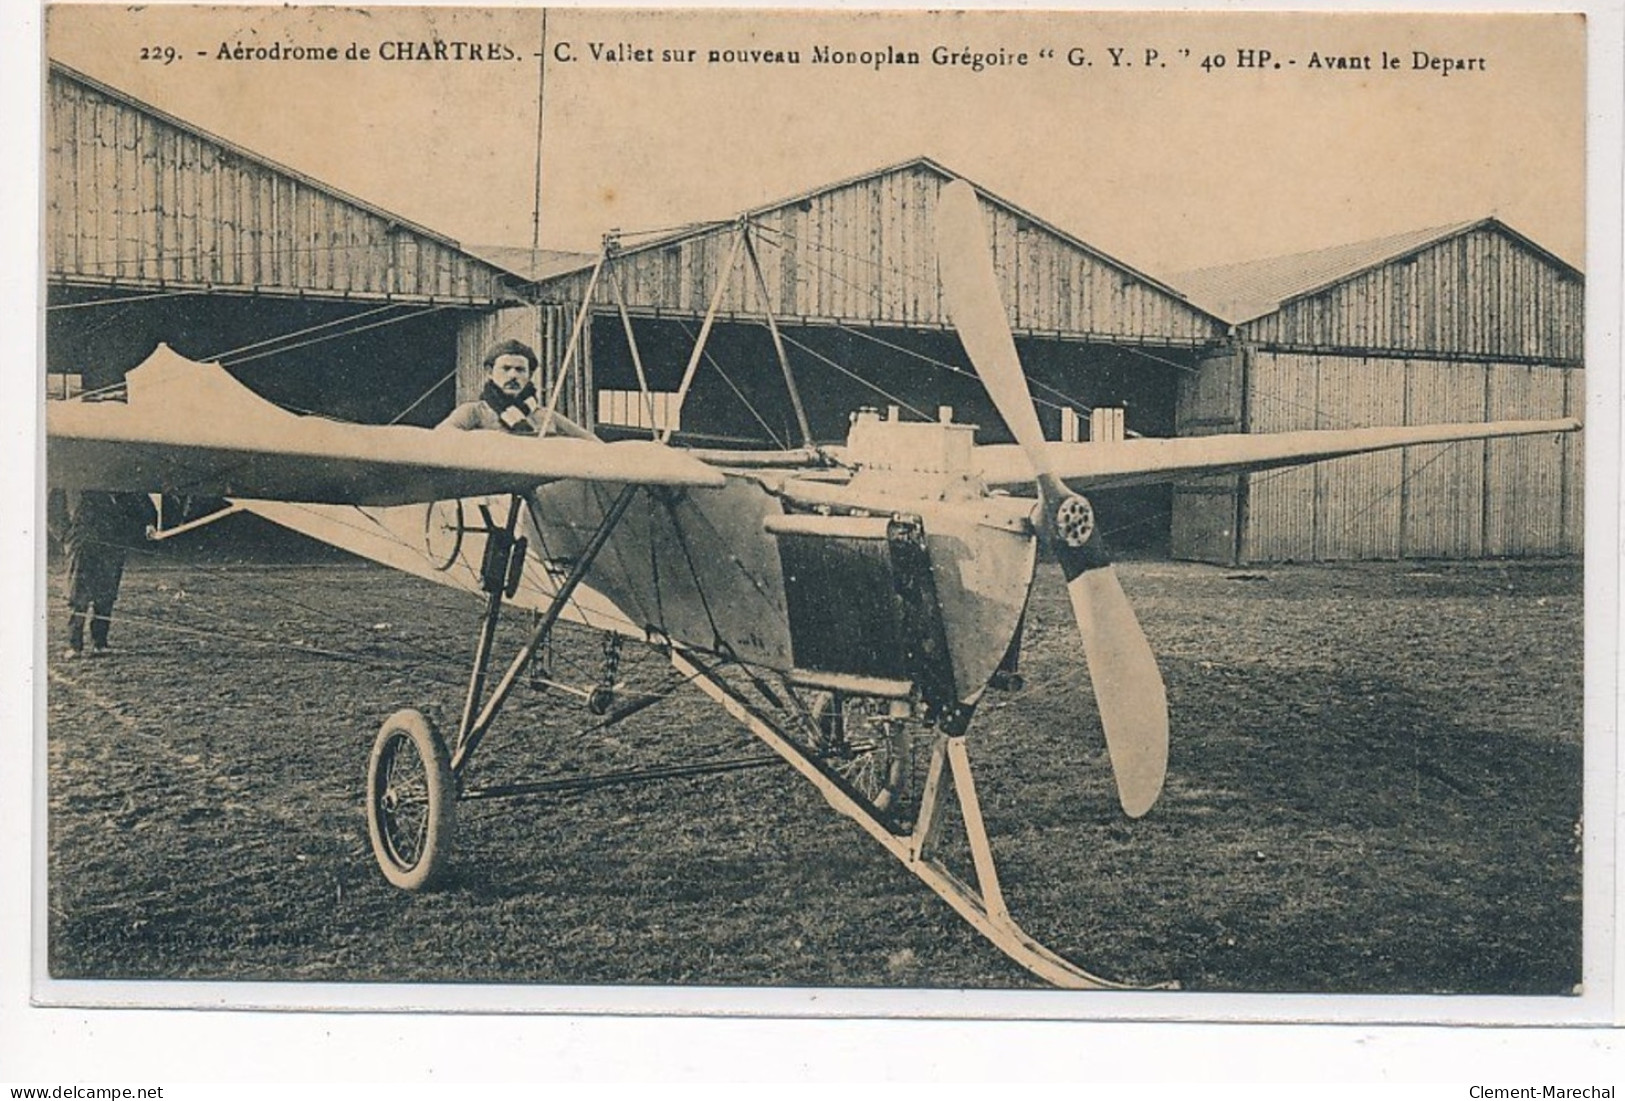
[
  {"x": 415, "y": 779},
  {"x": 981, "y": 905}
]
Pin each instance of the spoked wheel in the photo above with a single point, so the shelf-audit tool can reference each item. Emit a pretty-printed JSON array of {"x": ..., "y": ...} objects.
[
  {"x": 871, "y": 750},
  {"x": 411, "y": 801}
]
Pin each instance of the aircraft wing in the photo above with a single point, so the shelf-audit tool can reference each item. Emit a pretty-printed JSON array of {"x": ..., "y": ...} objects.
[
  {"x": 1144, "y": 461},
  {"x": 191, "y": 429}
]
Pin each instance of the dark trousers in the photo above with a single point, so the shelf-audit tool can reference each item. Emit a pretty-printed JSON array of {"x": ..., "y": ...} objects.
[{"x": 95, "y": 569}]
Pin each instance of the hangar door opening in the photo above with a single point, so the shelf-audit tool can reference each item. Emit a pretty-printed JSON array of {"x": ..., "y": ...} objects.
[{"x": 369, "y": 362}]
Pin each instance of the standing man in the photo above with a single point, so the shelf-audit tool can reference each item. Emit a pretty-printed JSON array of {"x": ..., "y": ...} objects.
[
  {"x": 101, "y": 528},
  {"x": 508, "y": 399}
]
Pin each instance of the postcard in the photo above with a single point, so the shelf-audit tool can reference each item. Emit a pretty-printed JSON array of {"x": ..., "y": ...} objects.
[{"x": 1066, "y": 514}]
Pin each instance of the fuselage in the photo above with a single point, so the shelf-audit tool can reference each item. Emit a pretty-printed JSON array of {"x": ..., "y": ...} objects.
[
  {"x": 878, "y": 581},
  {"x": 824, "y": 581}
]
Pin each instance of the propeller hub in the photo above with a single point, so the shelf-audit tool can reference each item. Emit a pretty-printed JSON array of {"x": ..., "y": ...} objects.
[{"x": 1074, "y": 521}]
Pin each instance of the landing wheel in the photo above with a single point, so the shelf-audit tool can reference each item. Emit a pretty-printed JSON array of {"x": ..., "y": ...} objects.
[
  {"x": 411, "y": 801},
  {"x": 600, "y": 700},
  {"x": 872, "y": 750}
]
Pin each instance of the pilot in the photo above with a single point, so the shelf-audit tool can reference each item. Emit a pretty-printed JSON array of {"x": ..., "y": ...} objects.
[
  {"x": 101, "y": 527},
  {"x": 508, "y": 400}
]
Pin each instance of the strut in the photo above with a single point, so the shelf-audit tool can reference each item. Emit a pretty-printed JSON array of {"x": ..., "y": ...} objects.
[
  {"x": 982, "y": 904},
  {"x": 474, "y": 727}
]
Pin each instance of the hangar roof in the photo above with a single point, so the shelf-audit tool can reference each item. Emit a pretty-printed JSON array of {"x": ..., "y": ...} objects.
[
  {"x": 534, "y": 265},
  {"x": 859, "y": 251},
  {"x": 927, "y": 164},
  {"x": 1252, "y": 289}
]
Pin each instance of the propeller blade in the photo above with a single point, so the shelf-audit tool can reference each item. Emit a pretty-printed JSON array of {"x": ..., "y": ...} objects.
[
  {"x": 977, "y": 311},
  {"x": 1129, "y": 692},
  {"x": 1128, "y": 685}
]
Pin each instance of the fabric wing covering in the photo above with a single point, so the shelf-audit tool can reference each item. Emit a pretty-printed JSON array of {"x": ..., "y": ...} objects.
[
  {"x": 1145, "y": 461},
  {"x": 192, "y": 429}
]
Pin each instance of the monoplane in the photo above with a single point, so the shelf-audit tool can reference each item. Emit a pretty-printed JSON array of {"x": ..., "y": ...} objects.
[{"x": 849, "y": 604}]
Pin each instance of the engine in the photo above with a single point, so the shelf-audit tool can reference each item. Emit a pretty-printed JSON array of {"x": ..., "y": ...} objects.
[{"x": 931, "y": 460}]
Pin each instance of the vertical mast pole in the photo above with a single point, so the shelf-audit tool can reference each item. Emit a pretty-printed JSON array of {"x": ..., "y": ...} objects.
[
  {"x": 778, "y": 341},
  {"x": 541, "y": 89}
]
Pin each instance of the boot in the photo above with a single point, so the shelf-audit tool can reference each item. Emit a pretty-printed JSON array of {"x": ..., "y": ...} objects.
[
  {"x": 76, "y": 635},
  {"x": 99, "y": 626}
]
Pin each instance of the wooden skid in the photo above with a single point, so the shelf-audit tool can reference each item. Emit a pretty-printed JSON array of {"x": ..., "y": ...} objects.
[{"x": 982, "y": 906}]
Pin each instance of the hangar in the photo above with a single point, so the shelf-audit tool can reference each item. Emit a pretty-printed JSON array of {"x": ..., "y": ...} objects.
[
  {"x": 157, "y": 230},
  {"x": 1465, "y": 322}
]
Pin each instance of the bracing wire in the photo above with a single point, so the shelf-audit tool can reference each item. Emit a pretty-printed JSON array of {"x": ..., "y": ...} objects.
[
  {"x": 890, "y": 397},
  {"x": 920, "y": 280},
  {"x": 1065, "y": 402},
  {"x": 123, "y": 299},
  {"x": 294, "y": 334},
  {"x": 340, "y": 335},
  {"x": 102, "y": 391},
  {"x": 1397, "y": 487},
  {"x": 674, "y": 231},
  {"x": 746, "y": 402},
  {"x": 1265, "y": 477},
  {"x": 236, "y": 579},
  {"x": 214, "y": 634},
  {"x": 423, "y": 397},
  {"x": 102, "y": 322},
  {"x": 439, "y": 662},
  {"x": 844, "y": 254},
  {"x": 548, "y": 556}
]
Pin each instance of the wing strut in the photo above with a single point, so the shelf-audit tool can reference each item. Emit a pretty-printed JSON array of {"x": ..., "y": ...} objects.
[
  {"x": 160, "y": 533},
  {"x": 500, "y": 578},
  {"x": 723, "y": 275},
  {"x": 632, "y": 347}
]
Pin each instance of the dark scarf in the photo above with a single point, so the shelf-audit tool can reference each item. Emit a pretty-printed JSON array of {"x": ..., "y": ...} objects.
[{"x": 515, "y": 413}]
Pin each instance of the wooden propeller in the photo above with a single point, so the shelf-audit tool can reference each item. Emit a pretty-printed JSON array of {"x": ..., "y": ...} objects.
[{"x": 1128, "y": 685}]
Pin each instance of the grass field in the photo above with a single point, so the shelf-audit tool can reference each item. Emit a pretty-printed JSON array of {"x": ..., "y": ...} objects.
[{"x": 1374, "y": 786}]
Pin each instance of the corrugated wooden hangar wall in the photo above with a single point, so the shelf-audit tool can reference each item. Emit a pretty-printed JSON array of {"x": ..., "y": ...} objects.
[
  {"x": 159, "y": 231},
  {"x": 1469, "y": 323}
]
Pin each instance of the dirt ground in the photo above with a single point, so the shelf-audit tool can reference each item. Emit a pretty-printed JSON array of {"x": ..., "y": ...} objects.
[{"x": 1375, "y": 786}]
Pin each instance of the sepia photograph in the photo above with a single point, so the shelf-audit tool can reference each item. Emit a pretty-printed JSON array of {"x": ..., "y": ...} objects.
[{"x": 687, "y": 510}]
